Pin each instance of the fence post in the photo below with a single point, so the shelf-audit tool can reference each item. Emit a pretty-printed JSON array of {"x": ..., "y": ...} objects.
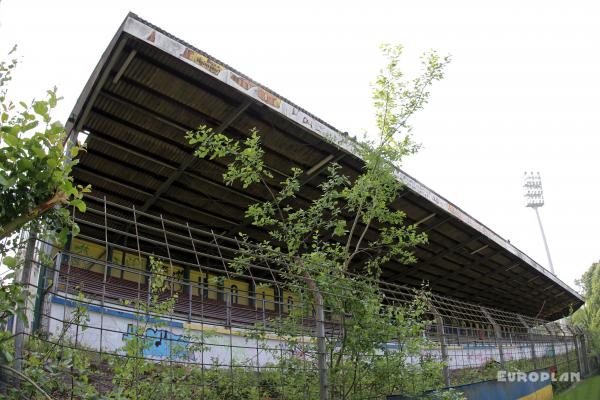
[
  {"x": 553, "y": 336},
  {"x": 41, "y": 287},
  {"x": 564, "y": 337},
  {"x": 228, "y": 306},
  {"x": 592, "y": 359},
  {"x": 531, "y": 341},
  {"x": 581, "y": 356},
  {"x": 47, "y": 298},
  {"x": 320, "y": 331},
  {"x": 577, "y": 353},
  {"x": 584, "y": 351},
  {"x": 497, "y": 335},
  {"x": 323, "y": 373},
  {"x": 21, "y": 325},
  {"x": 442, "y": 339}
]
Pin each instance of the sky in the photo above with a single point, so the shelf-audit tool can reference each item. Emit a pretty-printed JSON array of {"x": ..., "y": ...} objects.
[{"x": 522, "y": 92}]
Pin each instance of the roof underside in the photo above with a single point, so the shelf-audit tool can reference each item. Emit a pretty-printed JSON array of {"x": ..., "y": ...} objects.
[{"x": 150, "y": 88}]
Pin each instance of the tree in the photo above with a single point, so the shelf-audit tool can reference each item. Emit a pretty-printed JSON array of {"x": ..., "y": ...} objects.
[
  {"x": 35, "y": 169},
  {"x": 35, "y": 178},
  {"x": 588, "y": 316},
  {"x": 333, "y": 248}
]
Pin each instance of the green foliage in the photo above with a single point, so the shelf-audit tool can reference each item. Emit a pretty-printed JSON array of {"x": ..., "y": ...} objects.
[
  {"x": 13, "y": 297},
  {"x": 330, "y": 253},
  {"x": 588, "y": 316},
  {"x": 34, "y": 166},
  {"x": 129, "y": 370},
  {"x": 35, "y": 182},
  {"x": 332, "y": 250},
  {"x": 59, "y": 367},
  {"x": 248, "y": 166}
]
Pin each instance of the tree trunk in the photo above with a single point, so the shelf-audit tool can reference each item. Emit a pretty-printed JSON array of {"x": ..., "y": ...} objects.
[
  {"x": 320, "y": 331},
  {"x": 19, "y": 221}
]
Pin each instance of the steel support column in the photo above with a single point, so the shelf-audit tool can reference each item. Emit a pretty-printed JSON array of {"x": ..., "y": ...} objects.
[
  {"x": 531, "y": 341},
  {"x": 497, "y": 335}
]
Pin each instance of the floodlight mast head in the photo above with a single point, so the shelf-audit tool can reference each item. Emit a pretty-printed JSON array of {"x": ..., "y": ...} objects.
[
  {"x": 532, "y": 190},
  {"x": 534, "y": 198}
]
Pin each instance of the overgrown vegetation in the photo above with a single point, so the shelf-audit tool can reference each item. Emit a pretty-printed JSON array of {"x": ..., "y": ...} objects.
[
  {"x": 65, "y": 369},
  {"x": 332, "y": 249},
  {"x": 35, "y": 169},
  {"x": 588, "y": 316},
  {"x": 35, "y": 181}
]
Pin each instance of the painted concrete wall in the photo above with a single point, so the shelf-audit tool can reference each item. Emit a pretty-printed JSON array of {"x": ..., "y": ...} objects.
[
  {"x": 224, "y": 345},
  {"x": 177, "y": 338}
]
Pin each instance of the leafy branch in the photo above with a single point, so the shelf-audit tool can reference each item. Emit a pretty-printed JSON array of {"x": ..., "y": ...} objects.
[{"x": 349, "y": 227}]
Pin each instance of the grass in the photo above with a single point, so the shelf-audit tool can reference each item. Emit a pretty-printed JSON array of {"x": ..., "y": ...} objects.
[{"x": 588, "y": 389}]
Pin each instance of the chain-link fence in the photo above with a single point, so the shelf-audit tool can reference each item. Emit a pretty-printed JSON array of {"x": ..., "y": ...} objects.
[{"x": 139, "y": 306}]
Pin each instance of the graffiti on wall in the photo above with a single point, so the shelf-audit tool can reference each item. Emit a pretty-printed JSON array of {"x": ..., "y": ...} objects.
[{"x": 160, "y": 343}]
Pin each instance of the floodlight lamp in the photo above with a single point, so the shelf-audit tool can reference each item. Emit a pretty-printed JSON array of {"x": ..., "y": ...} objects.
[
  {"x": 532, "y": 190},
  {"x": 534, "y": 198}
]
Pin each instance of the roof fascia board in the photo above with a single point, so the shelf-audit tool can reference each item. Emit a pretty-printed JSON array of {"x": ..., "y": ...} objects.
[{"x": 95, "y": 81}]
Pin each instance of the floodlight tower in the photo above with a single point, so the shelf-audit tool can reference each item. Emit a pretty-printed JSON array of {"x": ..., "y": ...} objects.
[{"x": 534, "y": 198}]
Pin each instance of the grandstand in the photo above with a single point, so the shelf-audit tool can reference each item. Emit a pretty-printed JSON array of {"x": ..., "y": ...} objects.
[
  {"x": 149, "y": 88},
  {"x": 152, "y": 197}
]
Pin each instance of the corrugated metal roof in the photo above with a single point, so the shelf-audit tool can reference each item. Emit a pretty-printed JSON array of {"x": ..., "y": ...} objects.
[{"x": 138, "y": 154}]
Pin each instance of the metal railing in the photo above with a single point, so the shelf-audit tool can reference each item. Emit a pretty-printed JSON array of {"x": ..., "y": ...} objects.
[{"x": 217, "y": 331}]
